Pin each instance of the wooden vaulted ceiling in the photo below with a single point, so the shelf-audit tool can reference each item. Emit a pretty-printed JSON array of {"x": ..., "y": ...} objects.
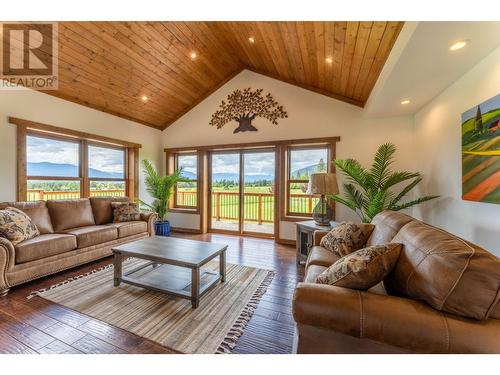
[{"x": 109, "y": 66}]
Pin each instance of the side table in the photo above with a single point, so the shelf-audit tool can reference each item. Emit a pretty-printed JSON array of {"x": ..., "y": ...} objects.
[{"x": 304, "y": 239}]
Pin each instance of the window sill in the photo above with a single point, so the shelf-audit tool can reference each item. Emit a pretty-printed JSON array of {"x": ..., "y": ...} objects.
[
  {"x": 295, "y": 219},
  {"x": 179, "y": 210}
]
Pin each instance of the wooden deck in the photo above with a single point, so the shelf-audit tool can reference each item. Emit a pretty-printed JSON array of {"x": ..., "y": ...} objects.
[{"x": 40, "y": 326}]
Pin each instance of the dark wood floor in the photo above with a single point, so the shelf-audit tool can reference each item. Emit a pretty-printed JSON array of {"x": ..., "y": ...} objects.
[{"x": 40, "y": 326}]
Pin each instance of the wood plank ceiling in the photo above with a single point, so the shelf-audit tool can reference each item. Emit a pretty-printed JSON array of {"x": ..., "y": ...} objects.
[{"x": 111, "y": 66}]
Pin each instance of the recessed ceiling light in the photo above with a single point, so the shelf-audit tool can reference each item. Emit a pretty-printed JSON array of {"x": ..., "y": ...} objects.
[
  {"x": 329, "y": 60},
  {"x": 458, "y": 45},
  {"x": 251, "y": 40},
  {"x": 193, "y": 55},
  {"x": 144, "y": 98},
  {"x": 405, "y": 101}
]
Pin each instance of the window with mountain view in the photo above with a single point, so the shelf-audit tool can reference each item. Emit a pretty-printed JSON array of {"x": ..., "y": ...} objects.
[
  {"x": 302, "y": 162},
  {"x": 106, "y": 171},
  {"x": 186, "y": 193},
  {"x": 53, "y": 168}
]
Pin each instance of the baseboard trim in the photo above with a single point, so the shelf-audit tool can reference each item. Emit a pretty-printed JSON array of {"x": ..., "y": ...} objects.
[
  {"x": 284, "y": 241},
  {"x": 186, "y": 230}
]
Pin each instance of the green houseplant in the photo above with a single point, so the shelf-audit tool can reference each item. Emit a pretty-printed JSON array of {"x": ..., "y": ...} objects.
[
  {"x": 160, "y": 188},
  {"x": 369, "y": 191}
]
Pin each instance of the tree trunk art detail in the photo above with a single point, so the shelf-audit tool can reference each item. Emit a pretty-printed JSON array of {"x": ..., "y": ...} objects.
[{"x": 243, "y": 106}]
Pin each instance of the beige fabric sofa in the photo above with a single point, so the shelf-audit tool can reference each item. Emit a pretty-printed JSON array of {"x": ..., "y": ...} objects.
[{"x": 72, "y": 232}]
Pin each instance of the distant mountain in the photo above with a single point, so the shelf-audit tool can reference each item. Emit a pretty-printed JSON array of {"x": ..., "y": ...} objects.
[
  {"x": 66, "y": 170},
  {"x": 307, "y": 170},
  {"x": 235, "y": 177}
]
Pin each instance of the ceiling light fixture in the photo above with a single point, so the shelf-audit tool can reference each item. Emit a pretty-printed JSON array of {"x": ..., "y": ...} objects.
[
  {"x": 329, "y": 60},
  {"x": 458, "y": 45},
  {"x": 251, "y": 40},
  {"x": 193, "y": 55},
  {"x": 144, "y": 98},
  {"x": 405, "y": 101}
]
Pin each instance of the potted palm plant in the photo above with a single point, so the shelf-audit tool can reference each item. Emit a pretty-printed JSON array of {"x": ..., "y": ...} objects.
[
  {"x": 369, "y": 191},
  {"x": 160, "y": 188}
]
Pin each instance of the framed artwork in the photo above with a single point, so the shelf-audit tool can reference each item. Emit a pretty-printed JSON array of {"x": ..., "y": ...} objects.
[{"x": 481, "y": 152}]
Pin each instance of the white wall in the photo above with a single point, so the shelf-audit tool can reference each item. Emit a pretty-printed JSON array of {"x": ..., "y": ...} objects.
[
  {"x": 438, "y": 151},
  {"x": 39, "y": 107},
  {"x": 310, "y": 115}
]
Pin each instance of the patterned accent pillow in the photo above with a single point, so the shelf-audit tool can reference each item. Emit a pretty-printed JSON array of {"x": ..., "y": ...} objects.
[
  {"x": 125, "y": 211},
  {"x": 16, "y": 226},
  {"x": 347, "y": 237},
  {"x": 362, "y": 269}
]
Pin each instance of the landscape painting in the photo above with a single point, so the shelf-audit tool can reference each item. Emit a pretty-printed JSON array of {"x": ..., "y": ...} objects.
[{"x": 481, "y": 152}]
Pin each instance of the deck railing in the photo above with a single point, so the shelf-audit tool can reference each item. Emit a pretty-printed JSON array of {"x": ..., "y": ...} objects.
[
  {"x": 259, "y": 207},
  {"x": 40, "y": 194}
]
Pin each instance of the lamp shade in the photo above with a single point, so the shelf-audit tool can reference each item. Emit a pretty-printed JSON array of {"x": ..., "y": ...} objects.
[{"x": 323, "y": 183}]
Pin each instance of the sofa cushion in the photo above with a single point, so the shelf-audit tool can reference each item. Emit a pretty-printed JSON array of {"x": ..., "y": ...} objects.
[
  {"x": 346, "y": 238},
  {"x": 102, "y": 210},
  {"x": 37, "y": 211},
  {"x": 129, "y": 228},
  {"x": 387, "y": 224},
  {"x": 321, "y": 257},
  {"x": 447, "y": 272},
  {"x": 16, "y": 226},
  {"x": 362, "y": 269},
  {"x": 44, "y": 246},
  {"x": 71, "y": 213},
  {"x": 93, "y": 235},
  {"x": 125, "y": 211},
  {"x": 313, "y": 271}
]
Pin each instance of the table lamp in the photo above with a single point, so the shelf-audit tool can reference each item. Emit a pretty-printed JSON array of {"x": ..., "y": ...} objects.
[{"x": 322, "y": 184}]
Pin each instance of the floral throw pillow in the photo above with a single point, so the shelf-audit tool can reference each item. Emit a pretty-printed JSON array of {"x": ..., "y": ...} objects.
[
  {"x": 362, "y": 269},
  {"x": 347, "y": 237},
  {"x": 125, "y": 211},
  {"x": 16, "y": 226}
]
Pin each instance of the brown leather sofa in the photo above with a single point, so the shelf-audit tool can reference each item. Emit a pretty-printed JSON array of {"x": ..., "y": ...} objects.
[
  {"x": 443, "y": 297},
  {"x": 72, "y": 232}
]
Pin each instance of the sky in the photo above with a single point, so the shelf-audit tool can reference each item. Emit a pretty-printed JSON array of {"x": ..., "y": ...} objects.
[
  {"x": 59, "y": 152},
  {"x": 488, "y": 105}
]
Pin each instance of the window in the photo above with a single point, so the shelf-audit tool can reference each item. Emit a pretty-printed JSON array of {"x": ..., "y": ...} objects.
[
  {"x": 302, "y": 162},
  {"x": 186, "y": 193},
  {"x": 59, "y": 163},
  {"x": 106, "y": 171},
  {"x": 52, "y": 168}
]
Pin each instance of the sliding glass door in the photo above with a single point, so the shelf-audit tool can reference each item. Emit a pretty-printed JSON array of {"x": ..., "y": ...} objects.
[{"x": 242, "y": 191}]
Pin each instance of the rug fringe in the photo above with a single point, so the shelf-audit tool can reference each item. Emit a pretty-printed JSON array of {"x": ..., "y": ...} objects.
[
  {"x": 67, "y": 281},
  {"x": 238, "y": 327}
]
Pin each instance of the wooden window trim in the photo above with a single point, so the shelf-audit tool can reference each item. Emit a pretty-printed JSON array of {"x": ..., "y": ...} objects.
[
  {"x": 27, "y": 128},
  {"x": 280, "y": 174},
  {"x": 170, "y": 167}
]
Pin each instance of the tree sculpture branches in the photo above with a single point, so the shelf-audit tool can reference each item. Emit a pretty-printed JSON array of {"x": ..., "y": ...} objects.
[{"x": 244, "y": 106}]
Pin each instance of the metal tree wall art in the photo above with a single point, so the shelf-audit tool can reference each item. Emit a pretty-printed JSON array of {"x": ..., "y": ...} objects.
[{"x": 244, "y": 106}]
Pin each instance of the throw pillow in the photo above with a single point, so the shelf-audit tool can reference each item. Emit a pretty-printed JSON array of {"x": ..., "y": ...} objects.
[
  {"x": 125, "y": 211},
  {"x": 16, "y": 226},
  {"x": 362, "y": 269},
  {"x": 346, "y": 238}
]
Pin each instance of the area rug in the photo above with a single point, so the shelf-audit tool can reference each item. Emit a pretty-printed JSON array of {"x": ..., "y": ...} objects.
[{"x": 214, "y": 327}]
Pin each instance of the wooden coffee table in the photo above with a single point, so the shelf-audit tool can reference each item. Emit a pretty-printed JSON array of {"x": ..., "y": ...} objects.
[{"x": 174, "y": 267}]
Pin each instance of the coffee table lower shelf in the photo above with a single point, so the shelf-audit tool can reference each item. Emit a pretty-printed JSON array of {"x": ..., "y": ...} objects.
[{"x": 188, "y": 283}]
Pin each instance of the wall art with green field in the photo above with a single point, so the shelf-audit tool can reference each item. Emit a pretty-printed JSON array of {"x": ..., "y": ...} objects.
[{"x": 481, "y": 152}]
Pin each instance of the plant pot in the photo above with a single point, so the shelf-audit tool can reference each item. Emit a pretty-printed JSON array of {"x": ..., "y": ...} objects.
[{"x": 162, "y": 228}]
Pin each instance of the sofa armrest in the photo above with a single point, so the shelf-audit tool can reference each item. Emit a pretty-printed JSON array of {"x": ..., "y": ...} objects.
[
  {"x": 150, "y": 218},
  {"x": 317, "y": 236},
  {"x": 399, "y": 322},
  {"x": 7, "y": 256}
]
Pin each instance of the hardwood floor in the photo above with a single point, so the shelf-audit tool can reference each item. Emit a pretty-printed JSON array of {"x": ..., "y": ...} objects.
[{"x": 40, "y": 326}]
